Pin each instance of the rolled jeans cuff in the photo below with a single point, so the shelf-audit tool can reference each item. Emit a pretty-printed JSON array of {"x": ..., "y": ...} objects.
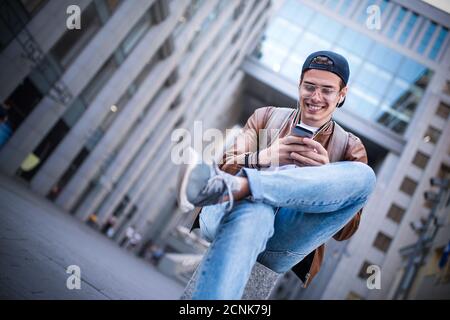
[{"x": 254, "y": 182}]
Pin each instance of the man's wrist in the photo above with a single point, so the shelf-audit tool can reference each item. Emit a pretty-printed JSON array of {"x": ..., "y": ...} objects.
[
  {"x": 262, "y": 159},
  {"x": 251, "y": 160}
]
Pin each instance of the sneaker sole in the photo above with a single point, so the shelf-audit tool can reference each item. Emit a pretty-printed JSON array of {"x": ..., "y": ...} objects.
[{"x": 183, "y": 178}]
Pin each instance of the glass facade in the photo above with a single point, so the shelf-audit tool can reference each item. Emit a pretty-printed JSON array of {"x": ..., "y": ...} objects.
[{"x": 385, "y": 86}]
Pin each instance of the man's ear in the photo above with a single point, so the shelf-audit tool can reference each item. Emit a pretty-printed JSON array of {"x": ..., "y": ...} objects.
[{"x": 343, "y": 94}]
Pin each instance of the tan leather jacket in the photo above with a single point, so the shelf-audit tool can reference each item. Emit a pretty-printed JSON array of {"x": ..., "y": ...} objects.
[{"x": 355, "y": 151}]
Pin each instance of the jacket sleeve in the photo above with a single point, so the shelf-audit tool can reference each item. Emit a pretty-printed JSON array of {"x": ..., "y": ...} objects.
[
  {"x": 355, "y": 152},
  {"x": 234, "y": 157}
]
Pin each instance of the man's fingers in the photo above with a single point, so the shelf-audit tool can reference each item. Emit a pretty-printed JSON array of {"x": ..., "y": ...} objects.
[
  {"x": 305, "y": 160},
  {"x": 314, "y": 156},
  {"x": 297, "y": 148},
  {"x": 315, "y": 145},
  {"x": 293, "y": 140}
]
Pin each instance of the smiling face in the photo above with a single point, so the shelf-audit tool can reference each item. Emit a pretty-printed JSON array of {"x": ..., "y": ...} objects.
[{"x": 318, "y": 106}]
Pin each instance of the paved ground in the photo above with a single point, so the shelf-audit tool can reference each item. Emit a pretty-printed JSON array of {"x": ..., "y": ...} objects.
[{"x": 38, "y": 242}]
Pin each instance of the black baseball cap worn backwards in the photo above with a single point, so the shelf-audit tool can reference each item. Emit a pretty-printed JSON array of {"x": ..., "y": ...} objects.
[{"x": 328, "y": 61}]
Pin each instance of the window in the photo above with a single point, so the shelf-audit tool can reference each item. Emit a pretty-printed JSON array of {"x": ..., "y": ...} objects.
[
  {"x": 325, "y": 27},
  {"x": 385, "y": 58},
  {"x": 136, "y": 34},
  {"x": 408, "y": 186},
  {"x": 432, "y": 135},
  {"x": 140, "y": 78},
  {"x": 426, "y": 37},
  {"x": 396, "y": 213},
  {"x": 88, "y": 190},
  {"x": 443, "y": 110},
  {"x": 438, "y": 44},
  {"x": 355, "y": 42},
  {"x": 22, "y": 102},
  {"x": 97, "y": 82},
  {"x": 421, "y": 160},
  {"x": 363, "y": 271},
  {"x": 112, "y": 5},
  {"x": 74, "y": 112},
  {"x": 393, "y": 119},
  {"x": 382, "y": 242},
  {"x": 361, "y": 14},
  {"x": 396, "y": 23},
  {"x": 121, "y": 206},
  {"x": 68, "y": 174},
  {"x": 332, "y": 4},
  {"x": 283, "y": 32},
  {"x": 376, "y": 80},
  {"x": 297, "y": 13},
  {"x": 73, "y": 41},
  {"x": 446, "y": 88},
  {"x": 13, "y": 17},
  {"x": 33, "y": 6},
  {"x": 411, "y": 71},
  {"x": 176, "y": 102},
  {"x": 444, "y": 172},
  {"x": 42, "y": 151},
  {"x": 166, "y": 49},
  {"x": 408, "y": 28},
  {"x": 343, "y": 10},
  {"x": 45, "y": 75},
  {"x": 238, "y": 10}
]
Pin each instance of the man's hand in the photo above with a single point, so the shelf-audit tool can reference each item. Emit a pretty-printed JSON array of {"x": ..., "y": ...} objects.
[
  {"x": 287, "y": 150},
  {"x": 312, "y": 154}
]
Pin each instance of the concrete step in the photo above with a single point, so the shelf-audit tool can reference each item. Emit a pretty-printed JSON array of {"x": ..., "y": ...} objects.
[{"x": 259, "y": 286}]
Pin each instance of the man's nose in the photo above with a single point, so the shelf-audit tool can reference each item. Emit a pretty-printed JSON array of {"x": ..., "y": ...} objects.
[{"x": 316, "y": 96}]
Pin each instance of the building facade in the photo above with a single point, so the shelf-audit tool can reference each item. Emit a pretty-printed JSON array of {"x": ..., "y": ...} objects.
[
  {"x": 398, "y": 104},
  {"x": 91, "y": 110}
]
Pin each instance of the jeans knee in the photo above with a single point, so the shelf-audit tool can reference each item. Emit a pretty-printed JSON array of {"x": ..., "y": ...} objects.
[
  {"x": 366, "y": 176},
  {"x": 254, "y": 216},
  {"x": 265, "y": 217}
]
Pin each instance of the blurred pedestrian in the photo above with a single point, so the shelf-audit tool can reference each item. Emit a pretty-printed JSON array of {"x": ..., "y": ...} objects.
[
  {"x": 135, "y": 239},
  {"x": 5, "y": 127},
  {"x": 109, "y": 227},
  {"x": 157, "y": 254}
]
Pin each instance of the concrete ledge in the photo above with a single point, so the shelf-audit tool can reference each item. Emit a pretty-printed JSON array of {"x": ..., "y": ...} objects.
[{"x": 259, "y": 286}]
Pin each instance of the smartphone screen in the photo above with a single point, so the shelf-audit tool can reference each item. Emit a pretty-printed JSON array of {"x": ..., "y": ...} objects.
[{"x": 302, "y": 132}]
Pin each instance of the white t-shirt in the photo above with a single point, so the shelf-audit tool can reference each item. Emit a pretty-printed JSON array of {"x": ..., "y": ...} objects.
[{"x": 313, "y": 129}]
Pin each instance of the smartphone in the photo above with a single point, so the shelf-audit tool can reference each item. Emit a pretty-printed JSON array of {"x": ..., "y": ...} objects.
[{"x": 299, "y": 131}]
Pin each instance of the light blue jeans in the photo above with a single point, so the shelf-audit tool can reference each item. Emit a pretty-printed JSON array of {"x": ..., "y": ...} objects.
[{"x": 288, "y": 215}]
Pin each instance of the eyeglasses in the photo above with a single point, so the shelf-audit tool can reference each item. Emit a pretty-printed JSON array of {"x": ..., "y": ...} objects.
[{"x": 308, "y": 89}]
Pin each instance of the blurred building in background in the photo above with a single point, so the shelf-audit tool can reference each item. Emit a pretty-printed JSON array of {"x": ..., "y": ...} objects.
[
  {"x": 91, "y": 113},
  {"x": 398, "y": 103},
  {"x": 92, "y": 110}
]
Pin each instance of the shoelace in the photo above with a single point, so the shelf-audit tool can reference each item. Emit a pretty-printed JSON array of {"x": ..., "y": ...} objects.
[{"x": 212, "y": 186}]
